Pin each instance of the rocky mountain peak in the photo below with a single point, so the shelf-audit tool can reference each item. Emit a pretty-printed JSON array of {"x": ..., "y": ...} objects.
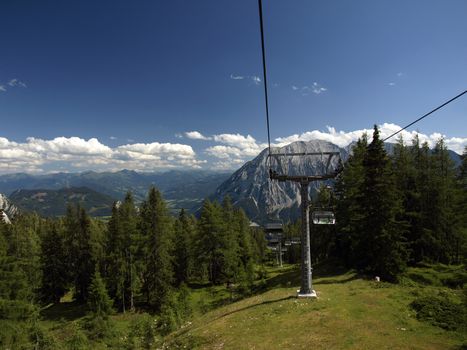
[{"x": 264, "y": 199}]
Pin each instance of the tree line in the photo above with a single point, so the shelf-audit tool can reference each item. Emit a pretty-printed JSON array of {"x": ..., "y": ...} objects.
[
  {"x": 392, "y": 211},
  {"x": 398, "y": 210},
  {"x": 141, "y": 257}
]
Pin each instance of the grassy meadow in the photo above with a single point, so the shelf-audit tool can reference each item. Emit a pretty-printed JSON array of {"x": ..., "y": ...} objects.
[{"x": 351, "y": 312}]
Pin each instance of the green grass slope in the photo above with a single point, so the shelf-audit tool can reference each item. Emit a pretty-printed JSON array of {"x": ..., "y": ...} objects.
[{"x": 350, "y": 313}]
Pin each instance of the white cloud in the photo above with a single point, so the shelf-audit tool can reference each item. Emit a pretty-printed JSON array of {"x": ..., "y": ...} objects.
[
  {"x": 256, "y": 80},
  {"x": 236, "y": 77},
  {"x": 343, "y": 138},
  {"x": 74, "y": 153},
  {"x": 16, "y": 82},
  {"x": 400, "y": 74},
  {"x": 305, "y": 90},
  {"x": 235, "y": 149},
  {"x": 112, "y": 137},
  {"x": 391, "y": 84},
  {"x": 317, "y": 88},
  {"x": 196, "y": 135},
  {"x": 2, "y": 88}
]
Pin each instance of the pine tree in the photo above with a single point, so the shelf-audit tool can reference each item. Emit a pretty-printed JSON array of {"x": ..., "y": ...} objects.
[
  {"x": 231, "y": 267},
  {"x": 157, "y": 231},
  {"x": 122, "y": 266},
  {"x": 422, "y": 240},
  {"x": 55, "y": 272},
  {"x": 81, "y": 259},
  {"x": 99, "y": 301},
  {"x": 383, "y": 249},
  {"x": 406, "y": 190},
  {"x": 211, "y": 242},
  {"x": 100, "y": 306},
  {"x": 461, "y": 205},
  {"x": 184, "y": 234},
  {"x": 350, "y": 212},
  {"x": 17, "y": 309},
  {"x": 246, "y": 249},
  {"x": 114, "y": 267},
  {"x": 444, "y": 196}
]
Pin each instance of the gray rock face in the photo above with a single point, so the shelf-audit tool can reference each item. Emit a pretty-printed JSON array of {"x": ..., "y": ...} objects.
[
  {"x": 263, "y": 199},
  {"x": 7, "y": 209}
]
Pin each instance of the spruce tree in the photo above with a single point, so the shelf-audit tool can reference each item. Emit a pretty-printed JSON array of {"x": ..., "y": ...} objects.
[
  {"x": 231, "y": 269},
  {"x": 17, "y": 309},
  {"x": 100, "y": 307},
  {"x": 246, "y": 249},
  {"x": 99, "y": 301},
  {"x": 81, "y": 259},
  {"x": 122, "y": 264},
  {"x": 350, "y": 213},
  {"x": 382, "y": 250},
  {"x": 184, "y": 234},
  {"x": 444, "y": 196},
  {"x": 210, "y": 242},
  {"x": 461, "y": 205},
  {"x": 55, "y": 272},
  {"x": 157, "y": 231}
]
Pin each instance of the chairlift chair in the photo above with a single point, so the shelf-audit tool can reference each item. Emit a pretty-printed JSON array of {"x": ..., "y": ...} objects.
[{"x": 323, "y": 217}]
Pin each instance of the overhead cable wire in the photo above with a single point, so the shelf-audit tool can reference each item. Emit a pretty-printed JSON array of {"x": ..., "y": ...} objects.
[
  {"x": 426, "y": 115},
  {"x": 260, "y": 5}
]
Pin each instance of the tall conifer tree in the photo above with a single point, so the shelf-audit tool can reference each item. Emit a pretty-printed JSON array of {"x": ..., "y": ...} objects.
[
  {"x": 382, "y": 250},
  {"x": 157, "y": 231}
]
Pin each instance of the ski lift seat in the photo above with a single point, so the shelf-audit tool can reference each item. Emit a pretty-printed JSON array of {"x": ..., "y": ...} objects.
[{"x": 323, "y": 217}]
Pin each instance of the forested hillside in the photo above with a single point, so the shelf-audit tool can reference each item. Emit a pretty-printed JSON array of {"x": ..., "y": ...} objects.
[{"x": 392, "y": 213}]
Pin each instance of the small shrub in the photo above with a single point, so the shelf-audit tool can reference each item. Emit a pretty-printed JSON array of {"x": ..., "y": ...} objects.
[
  {"x": 77, "y": 340},
  {"x": 168, "y": 321},
  {"x": 441, "y": 311},
  {"x": 455, "y": 280},
  {"x": 142, "y": 334}
]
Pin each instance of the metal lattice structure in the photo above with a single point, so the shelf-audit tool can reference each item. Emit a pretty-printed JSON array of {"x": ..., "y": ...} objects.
[{"x": 306, "y": 289}]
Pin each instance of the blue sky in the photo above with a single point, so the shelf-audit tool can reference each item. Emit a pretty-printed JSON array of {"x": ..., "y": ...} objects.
[{"x": 105, "y": 85}]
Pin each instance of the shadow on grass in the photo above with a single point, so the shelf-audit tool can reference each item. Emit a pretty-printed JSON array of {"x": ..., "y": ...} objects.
[
  {"x": 64, "y": 311},
  {"x": 254, "y": 305},
  {"x": 339, "y": 281},
  {"x": 291, "y": 277}
]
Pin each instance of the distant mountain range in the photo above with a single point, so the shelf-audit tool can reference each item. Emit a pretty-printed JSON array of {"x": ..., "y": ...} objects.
[
  {"x": 249, "y": 187},
  {"x": 54, "y": 202},
  {"x": 182, "y": 189}
]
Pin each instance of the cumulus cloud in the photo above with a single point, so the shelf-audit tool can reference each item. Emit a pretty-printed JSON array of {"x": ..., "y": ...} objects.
[
  {"x": 196, "y": 135},
  {"x": 234, "y": 150},
  {"x": 343, "y": 138},
  {"x": 74, "y": 153}
]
